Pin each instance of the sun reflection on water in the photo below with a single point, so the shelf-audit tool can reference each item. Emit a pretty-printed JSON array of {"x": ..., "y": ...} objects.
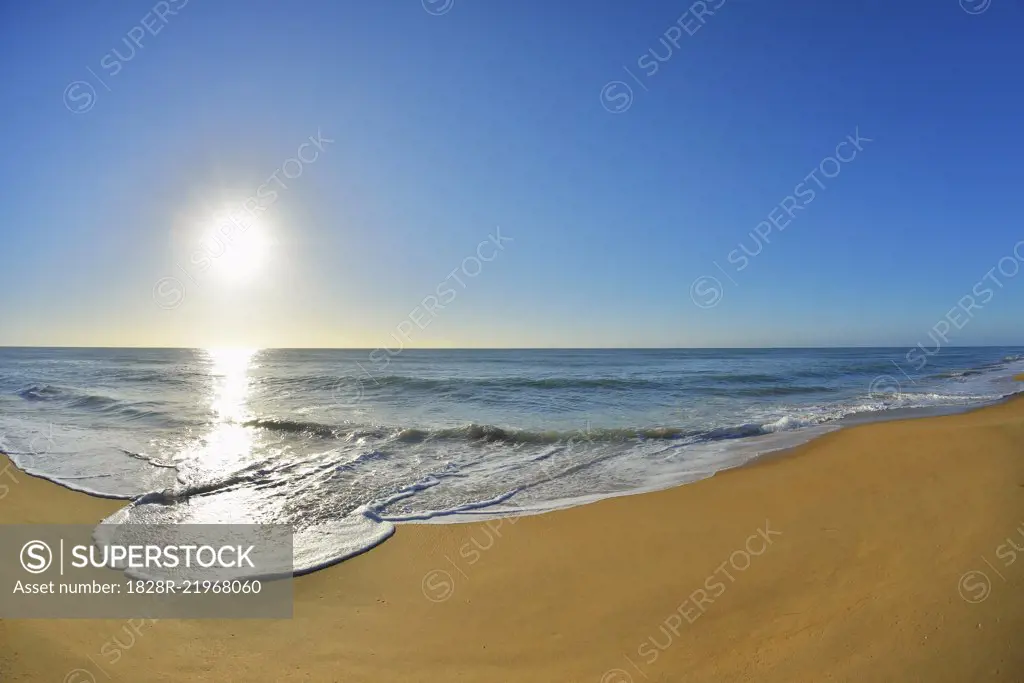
[
  {"x": 228, "y": 446},
  {"x": 226, "y": 449},
  {"x": 231, "y": 383}
]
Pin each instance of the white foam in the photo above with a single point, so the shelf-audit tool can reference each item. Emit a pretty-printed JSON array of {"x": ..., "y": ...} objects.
[
  {"x": 451, "y": 512},
  {"x": 328, "y": 543},
  {"x": 315, "y": 546}
]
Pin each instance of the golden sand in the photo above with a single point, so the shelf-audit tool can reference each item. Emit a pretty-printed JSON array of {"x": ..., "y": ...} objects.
[{"x": 862, "y": 556}]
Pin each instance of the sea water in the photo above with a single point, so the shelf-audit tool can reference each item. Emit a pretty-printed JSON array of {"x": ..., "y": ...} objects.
[{"x": 343, "y": 447}]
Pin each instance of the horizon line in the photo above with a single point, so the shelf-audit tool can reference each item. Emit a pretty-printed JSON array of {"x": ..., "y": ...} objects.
[{"x": 501, "y": 348}]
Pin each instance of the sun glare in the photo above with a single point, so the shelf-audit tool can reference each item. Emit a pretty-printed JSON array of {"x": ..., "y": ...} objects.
[{"x": 237, "y": 248}]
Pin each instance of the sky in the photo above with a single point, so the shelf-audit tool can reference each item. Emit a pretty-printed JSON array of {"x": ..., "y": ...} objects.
[{"x": 511, "y": 174}]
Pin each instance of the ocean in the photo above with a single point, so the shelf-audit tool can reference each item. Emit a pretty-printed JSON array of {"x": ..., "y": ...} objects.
[{"x": 343, "y": 445}]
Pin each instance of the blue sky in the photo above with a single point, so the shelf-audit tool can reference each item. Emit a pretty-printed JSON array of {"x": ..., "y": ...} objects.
[{"x": 444, "y": 126}]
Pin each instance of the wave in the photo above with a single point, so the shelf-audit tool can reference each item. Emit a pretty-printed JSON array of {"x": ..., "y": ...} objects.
[
  {"x": 106, "y": 404},
  {"x": 350, "y": 385},
  {"x": 475, "y": 433},
  {"x": 182, "y": 494},
  {"x": 449, "y": 512},
  {"x": 367, "y": 456},
  {"x": 956, "y": 374},
  {"x": 155, "y": 462},
  {"x": 97, "y": 403},
  {"x": 293, "y": 427},
  {"x": 180, "y": 377},
  {"x": 983, "y": 369},
  {"x": 318, "y": 429},
  {"x": 490, "y": 434},
  {"x": 370, "y": 381},
  {"x": 780, "y": 390},
  {"x": 715, "y": 382},
  {"x": 45, "y": 392},
  {"x": 622, "y": 435}
]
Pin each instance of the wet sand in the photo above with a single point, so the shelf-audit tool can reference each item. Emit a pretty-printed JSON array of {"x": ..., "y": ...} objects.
[{"x": 881, "y": 552}]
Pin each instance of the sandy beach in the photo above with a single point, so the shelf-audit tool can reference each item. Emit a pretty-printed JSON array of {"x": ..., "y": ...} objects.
[
  {"x": 511, "y": 342},
  {"x": 881, "y": 552}
]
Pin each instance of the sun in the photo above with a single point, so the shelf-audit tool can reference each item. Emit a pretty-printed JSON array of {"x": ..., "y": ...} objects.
[
  {"x": 236, "y": 246},
  {"x": 246, "y": 257}
]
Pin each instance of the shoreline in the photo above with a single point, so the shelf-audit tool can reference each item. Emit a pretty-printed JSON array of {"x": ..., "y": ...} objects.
[
  {"x": 871, "y": 529},
  {"x": 468, "y": 517}
]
